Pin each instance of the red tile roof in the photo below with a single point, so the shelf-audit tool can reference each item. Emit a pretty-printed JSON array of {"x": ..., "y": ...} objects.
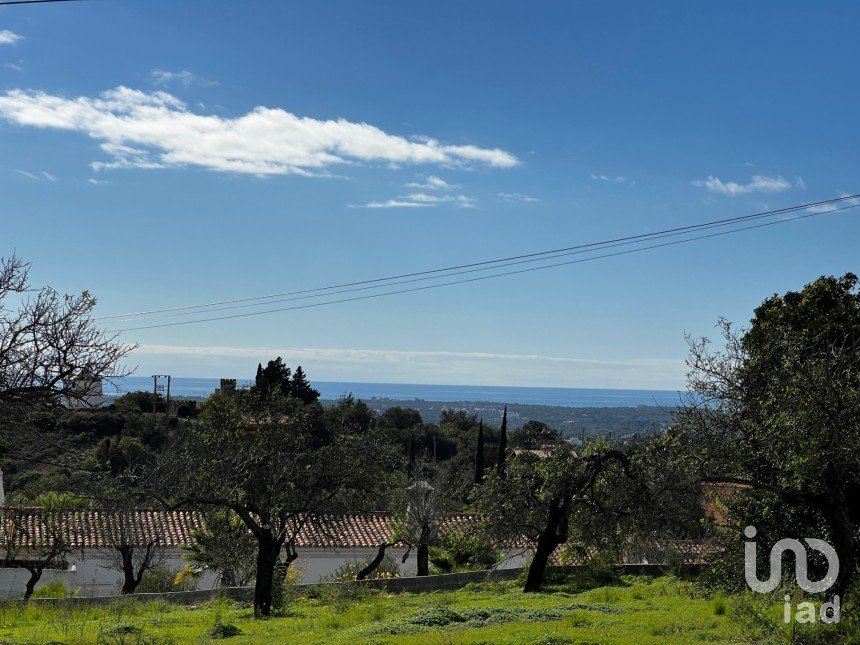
[{"x": 103, "y": 529}]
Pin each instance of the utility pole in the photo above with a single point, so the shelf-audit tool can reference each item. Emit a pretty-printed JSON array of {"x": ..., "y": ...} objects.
[{"x": 157, "y": 388}]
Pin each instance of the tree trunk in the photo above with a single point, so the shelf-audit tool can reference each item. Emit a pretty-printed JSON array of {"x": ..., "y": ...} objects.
[
  {"x": 130, "y": 582},
  {"x": 545, "y": 546},
  {"x": 554, "y": 534},
  {"x": 423, "y": 557},
  {"x": 267, "y": 555},
  {"x": 35, "y": 576},
  {"x": 374, "y": 564},
  {"x": 843, "y": 535}
]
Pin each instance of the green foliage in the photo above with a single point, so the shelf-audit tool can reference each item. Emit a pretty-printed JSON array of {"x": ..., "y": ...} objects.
[
  {"x": 224, "y": 545},
  {"x": 650, "y": 612},
  {"x": 348, "y": 571},
  {"x": 534, "y": 434},
  {"x": 277, "y": 378},
  {"x": 779, "y": 410},
  {"x": 56, "y": 589},
  {"x": 140, "y": 401},
  {"x": 464, "y": 549}
]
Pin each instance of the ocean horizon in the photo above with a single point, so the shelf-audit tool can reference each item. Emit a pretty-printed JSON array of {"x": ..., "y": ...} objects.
[{"x": 333, "y": 390}]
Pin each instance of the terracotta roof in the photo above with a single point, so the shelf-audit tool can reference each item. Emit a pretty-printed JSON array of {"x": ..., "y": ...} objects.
[
  {"x": 103, "y": 529},
  {"x": 97, "y": 529},
  {"x": 36, "y": 527}
]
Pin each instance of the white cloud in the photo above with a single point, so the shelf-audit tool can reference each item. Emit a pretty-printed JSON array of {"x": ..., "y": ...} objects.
[
  {"x": 184, "y": 77},
  {"x": 394, "y": 366},
  {"x": 517, "y": 197},
  {"x": 827, "y": 208},
  {"x": 13, "y": 66},
  {"x": 156, "y": 130},
  {"x": 422, "y": 200},
  {"x": 41, "y": 175},
  {"x": 617, "y": 179},
  {"x": 757, "y": 184},
  {"x": 9, "y": 37},
  {"x": 97, "y": 182},
  {"x": 798, "y": 181},
  {"x": 391, "y": 203},
  {"x": 432, "y": 183}
]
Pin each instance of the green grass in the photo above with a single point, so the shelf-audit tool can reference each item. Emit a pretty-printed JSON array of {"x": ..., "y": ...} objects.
[{"x": 640, "y": 611}]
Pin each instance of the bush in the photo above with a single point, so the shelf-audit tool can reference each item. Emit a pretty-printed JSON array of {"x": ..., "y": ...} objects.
[
  {"x": 55, "y": 589},
  {"x": 348, "y": 571},
  {"x": 220, "y": 628},
  {"x": 464, "y": 550}
]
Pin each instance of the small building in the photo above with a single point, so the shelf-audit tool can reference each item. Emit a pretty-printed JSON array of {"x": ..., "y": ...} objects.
[
  {"x": 85, "y": 392},
  {"x": 93, "y": 535}
]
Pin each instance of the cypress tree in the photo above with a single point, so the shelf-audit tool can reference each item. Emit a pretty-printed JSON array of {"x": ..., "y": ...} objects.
[
  {"x": 503, "y": 443},
  {"x": 479, "y": 455},
  {"x": 410, "y": 471},
  {"x": 258, "y": 380}
]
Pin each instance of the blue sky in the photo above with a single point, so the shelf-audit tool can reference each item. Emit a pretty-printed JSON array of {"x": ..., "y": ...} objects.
[{"x": 162, "y": 154}]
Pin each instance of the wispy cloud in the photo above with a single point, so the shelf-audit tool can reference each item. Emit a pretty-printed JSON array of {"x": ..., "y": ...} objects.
[
  {"x": 15, "y": 67},
  {"x": 440, "y": 194},
  {"x": 41, "y": 175},
  {"x": 157, "y": 130},
  {"x": 826, "y": 208},
  {"x": 421, "y": 200},
  {"x": 184, "y": 78},
  {"x": 756, "y": 184},
  {"x": 616, "y": 179},
  {"x": 426, "y": 366},
  {"x": 9, "y": 37},
  {"x": 97, "y": 182},
  {"x": 517, "y": 197},
  {"x": 432, "y": 182},
  {"x": 392, "y": 203}
]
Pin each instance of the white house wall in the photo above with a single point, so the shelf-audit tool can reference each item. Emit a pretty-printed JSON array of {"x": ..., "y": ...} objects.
[{"x": 89, "y": 571}]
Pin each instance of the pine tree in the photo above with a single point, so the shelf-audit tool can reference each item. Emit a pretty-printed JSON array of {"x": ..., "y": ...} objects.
[
  {"x": 479, "y": 455},
  {"x": 301, "y": 388},
  {"x": 503, "y": 443}
]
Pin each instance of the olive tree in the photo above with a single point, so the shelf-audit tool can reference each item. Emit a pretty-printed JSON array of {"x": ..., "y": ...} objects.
[
  {"x": 281, "y": 465},
  {"x": 776, "y": 412}
]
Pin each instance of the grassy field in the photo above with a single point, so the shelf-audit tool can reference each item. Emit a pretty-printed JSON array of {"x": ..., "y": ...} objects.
[{"x": 640, "y": 611}]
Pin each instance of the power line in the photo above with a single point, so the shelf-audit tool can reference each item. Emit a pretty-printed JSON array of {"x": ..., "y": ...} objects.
[
  {"x": 10, "y": 2},
  {"x": 486, "y": 277},
  {"x": 491, "y": 264},
  {"x": 309, "y": 296}
]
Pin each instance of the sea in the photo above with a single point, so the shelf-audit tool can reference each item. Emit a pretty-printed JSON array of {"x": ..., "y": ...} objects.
[{"x": 333, "y": 390}]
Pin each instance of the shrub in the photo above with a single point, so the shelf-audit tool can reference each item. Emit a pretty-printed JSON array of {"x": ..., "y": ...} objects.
[
  {"x": 348, "y": 571},
  {"x": 464, "y": 549},
  {"x": 55, "y": 589}
]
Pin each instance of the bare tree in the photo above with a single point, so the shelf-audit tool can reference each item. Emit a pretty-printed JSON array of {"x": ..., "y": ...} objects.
[
  {"x": 50, "y": 347},
  {"x": 51, "y": 353},
  {"x": 132, "y": 549}
]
